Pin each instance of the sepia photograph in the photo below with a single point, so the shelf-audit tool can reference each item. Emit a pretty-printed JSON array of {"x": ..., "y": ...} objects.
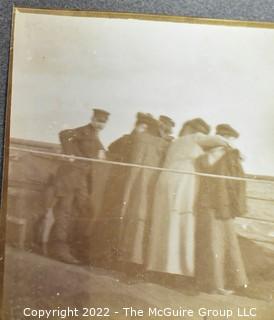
[{"x": 140, "y": 167}]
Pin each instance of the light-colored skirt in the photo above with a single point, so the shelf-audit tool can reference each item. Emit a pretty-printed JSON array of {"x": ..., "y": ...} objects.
[{"x": 171, "y": 245}]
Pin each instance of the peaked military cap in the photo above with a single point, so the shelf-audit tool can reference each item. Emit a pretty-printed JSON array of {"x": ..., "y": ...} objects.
[
  {"x": 101, "y": 115},
  {"x": 226, "y": 130},
  {"x": 167, "y": 121}
]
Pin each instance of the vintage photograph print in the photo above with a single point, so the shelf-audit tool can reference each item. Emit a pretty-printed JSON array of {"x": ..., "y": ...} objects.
[{"x": 140, "y": 168}]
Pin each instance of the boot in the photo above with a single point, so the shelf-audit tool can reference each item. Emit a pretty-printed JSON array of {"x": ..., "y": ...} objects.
[{"x": 61, "y": 252}]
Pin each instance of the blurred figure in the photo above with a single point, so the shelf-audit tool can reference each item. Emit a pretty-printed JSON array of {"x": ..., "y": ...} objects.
[
  {"x": 166, "y": 125},
  {"x": 147, "y": 149},
  {"x": 72, "y": 188},
  {"x": 219, "y": 264},
  {"x": 119, "y": 150},
  {"x": 171, "y": 236},
  {"x": 106, "y": 228}
]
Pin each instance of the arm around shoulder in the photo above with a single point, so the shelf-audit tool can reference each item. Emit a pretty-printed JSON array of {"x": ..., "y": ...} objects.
[{"x": 207, "y": 141}]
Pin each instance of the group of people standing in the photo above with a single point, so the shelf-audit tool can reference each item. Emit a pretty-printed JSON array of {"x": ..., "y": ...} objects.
[{"x": 158, "y": 214}]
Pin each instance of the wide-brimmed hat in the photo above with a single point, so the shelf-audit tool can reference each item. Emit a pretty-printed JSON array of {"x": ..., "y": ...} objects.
[
  {"x": 199, "y": 125},
  {"x": 225, "y": 129},
  {"x": 167, "y": 121},
  {"x": 145, "y": 118}
]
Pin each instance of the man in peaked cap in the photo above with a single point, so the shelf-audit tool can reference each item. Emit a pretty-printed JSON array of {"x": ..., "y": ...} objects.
[
  {"x": 166, "y": 125},
  {"x": 77, "y": 141},
  {"x": 73, "y": 184}
]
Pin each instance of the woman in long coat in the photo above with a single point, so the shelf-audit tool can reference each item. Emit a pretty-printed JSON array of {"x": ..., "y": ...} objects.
[
  {"x": 126, "y": 149},
  {"x": 219, "y": 262},
  {"x": 146, "y": 149},
  {"x": 172, "y": 231}
]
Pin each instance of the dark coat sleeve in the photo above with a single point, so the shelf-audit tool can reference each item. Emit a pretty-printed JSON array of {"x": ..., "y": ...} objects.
[
  {"x": 119, "y": 149},
  {"x": 237, "y": 188},
  {"x": 81, "y": 142},
  {"x": 68, "y": 139},
  {"x": 229, "y": 196}
]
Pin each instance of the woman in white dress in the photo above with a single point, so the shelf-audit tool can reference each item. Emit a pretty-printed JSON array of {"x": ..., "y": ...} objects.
[{"x": 172, "y": 230}]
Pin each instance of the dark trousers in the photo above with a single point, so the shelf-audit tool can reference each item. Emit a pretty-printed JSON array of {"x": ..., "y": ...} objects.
[{"x": 72, "y": 206}]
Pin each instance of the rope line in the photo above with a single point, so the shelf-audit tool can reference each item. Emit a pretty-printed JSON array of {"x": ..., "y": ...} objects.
[
  {"x": 110, "y": 218},
  {"x": 260, "y": 199},
  {"x": 125, "y": 164},
  {"x": 267, "y": 221}
]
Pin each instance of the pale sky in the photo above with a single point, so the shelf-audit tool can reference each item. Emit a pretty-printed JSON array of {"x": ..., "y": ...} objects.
[{"x": 64, "y": 66}]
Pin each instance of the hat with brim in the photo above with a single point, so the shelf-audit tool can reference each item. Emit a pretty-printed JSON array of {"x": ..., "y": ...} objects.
[
  {"x": 226, "y": 130},
  {"x": 167, "y": 121},
  {"x": 101, "y": 115},
  {"x": 144, "y": 118},
  {"x": 199, "y": 125}
]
